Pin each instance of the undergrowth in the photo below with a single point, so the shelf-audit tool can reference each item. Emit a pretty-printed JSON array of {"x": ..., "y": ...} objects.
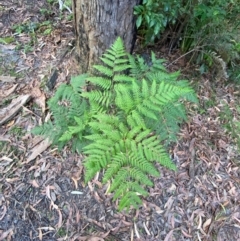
[
  {"x": 208, "y": 32},
  {"x": 120, "y": 117}
]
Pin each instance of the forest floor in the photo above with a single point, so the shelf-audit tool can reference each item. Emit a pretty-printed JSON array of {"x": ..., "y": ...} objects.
[{"x": 42, "y": 193}]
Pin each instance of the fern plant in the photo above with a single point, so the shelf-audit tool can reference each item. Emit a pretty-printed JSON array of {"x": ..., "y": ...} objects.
[
  {"x": 124, "y": 116},
  {"x": 68, "y": 111}
]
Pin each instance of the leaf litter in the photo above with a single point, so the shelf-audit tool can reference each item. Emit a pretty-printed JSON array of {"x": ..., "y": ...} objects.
[{"x": 43, "y": 195}]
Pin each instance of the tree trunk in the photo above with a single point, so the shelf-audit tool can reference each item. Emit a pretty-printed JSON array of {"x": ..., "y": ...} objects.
[{"x": 98, "y": 23}]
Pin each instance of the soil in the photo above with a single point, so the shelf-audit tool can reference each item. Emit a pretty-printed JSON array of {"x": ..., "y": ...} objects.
[{"x": 44, "y": 197}]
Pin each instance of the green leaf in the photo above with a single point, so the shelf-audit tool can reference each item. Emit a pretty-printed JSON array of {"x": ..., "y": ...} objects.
[
  {"x": 7, "y": 40},
  {"x": 139, "y": 21},
  {"x": 104, "y": 70}
]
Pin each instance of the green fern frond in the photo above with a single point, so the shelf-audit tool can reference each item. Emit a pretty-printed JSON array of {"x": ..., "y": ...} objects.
[
  {"x": 116, "y": 60},
  {"x": 121, "y": 122},
  {"x": 104, "y": 70},
  {"x": 133, "y": 132},
  {"x": 138, "y": 175},
  {"x": 45, "y": 129},
  {"x": 167, "y": 77},
  {"x": 143, "y": 165},
  {"x": 120, "y": 61},
  {"x": 104, "y": 83},
  {"x": 124, "y": 156},
  {"x": 122, "y": 78},
  {"x": 143, "y": 68},
  {"x": 66, "y": 105},
  {"x": 127, "y": 191},
  {"x": 106, "y": 59},
  {"x": 119, "y": 179},
  {"x": 136, "y": 119},
  {"x": 121, "y": 160},
  {"x": 78, "y": 82},
  {"x": 110, "y": 76},
  {"x": 118, "y": 161},
  {"x": 92, "y": 167},
  {"x": 150, "y": 100},
  {"x": 110, "y": 57},
  {"x": 170, "y": 118},
  {"x": 124, "y": 98},
  {"x": 142, "y": 135},
  {"x": 129, "y": 199},
  {"x": 118, "y": 48},
  {"x": 72, "y": 130},
  {"x": 121, "y": 67},
  {"x": 103, "y": 99}
]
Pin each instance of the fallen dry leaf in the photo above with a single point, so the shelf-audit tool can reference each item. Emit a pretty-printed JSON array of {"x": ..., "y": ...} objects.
[
  {"x": 38, "y": 149},
  {"x": 136, "y": 230},
  {"x": 11, "y": 180},
  {"x": 7, "y": 234},
  {"x": 4, "y": 211},
  {"x": 40, "y": 234},
  {"x": 38, "y": 96},
  {"x": 7, "y": 78},
  {"x": 10, "y": 123},
  {"x": 86, "y": 238},
  {"x": 169, "y": 236},
  {"x": 75, "y": 180},
  {"x": 34, "y": 183},
  {"x": 206, "y": 224},
  {"x": 6, "y": 93},
  {"x": 60, "y": 223},
  {"x": 5, "y": 161},
  {"x": 12, "y": 109},
  {"x": 146, "y": 229}
]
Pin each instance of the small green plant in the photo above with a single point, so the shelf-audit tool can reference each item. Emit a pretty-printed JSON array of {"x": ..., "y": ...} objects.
[
  {"x": 7, "y": 40},
  {"x": 154, "y": 16},
  {"x": 119, "y": 119},
  {"x": 27, "y": 27},
  {"x": 51, "y": 1},
  {"x": 46, "y": 12},
  {"x": 16, "y": 130},
  {"x": 32, "y": 28},
  {"x": 62, "y": 232}
]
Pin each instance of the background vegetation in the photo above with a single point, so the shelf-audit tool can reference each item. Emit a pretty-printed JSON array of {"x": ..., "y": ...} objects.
[{"x": 208, "y": 31}]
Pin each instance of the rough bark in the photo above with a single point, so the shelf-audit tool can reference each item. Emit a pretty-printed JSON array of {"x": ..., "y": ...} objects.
[{"x": 98, "y": 23}]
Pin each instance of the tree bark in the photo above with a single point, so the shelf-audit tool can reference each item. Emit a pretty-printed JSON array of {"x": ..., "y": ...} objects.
[{"x": 98, "y": 23}]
